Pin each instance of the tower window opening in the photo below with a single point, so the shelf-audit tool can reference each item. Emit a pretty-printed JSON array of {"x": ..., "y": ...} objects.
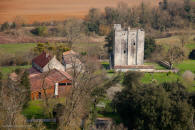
[
  {"x": 124, "y": 51},
  {"x": 134, "y": 43}
]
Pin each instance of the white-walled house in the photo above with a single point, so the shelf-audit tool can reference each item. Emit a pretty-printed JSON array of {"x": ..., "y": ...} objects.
[
  {"x": 45, "y": 62},
  {"x": 70, "y": 59}
]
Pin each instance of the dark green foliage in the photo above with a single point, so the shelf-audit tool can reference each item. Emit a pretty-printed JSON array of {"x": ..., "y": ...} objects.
[
  {"x": 149, "y": 47},
  {"x": 93, "y": 19},
  {"x": 152, "y": 107},
  {"x": 58, "y": 112},
  {"x": 40, "y": 31},
  {"x": 192, "y": 55},
  {"x": 5, "y": 26},
  {"x": 132, "y": 79},
  {"x": 188, "y": 10},
  {"x": 18, "y": 70},
  {"x": 110, "y": 41},
  {"x": 54, "y": 49},
  {"x": 83, "y": 53},
  {"x": 25, "y": 83},
  {"x": 13, "y": 25},
  {"x": 165, "y": 4}
]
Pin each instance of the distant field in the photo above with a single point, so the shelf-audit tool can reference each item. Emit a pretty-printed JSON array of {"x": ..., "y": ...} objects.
[
  {"x": 16, "y": 48},
  {"x": 8, "y": 69},
  {"x": 175, "y": 40},
  {"x": 46, "y": 10}
]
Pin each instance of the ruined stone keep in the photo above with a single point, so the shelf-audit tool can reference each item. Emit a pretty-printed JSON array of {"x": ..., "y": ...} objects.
[{"x": 128, "y": 46}]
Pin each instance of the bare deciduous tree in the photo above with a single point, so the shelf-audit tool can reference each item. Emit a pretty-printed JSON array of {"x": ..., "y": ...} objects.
[
  {"x": 85, "y": 80},
  {"x": 184, "y": 37},
  {"x": 72, "y": 30},
  {"x": 174, "y": 55},
  {"x": 12, "y": 99}
]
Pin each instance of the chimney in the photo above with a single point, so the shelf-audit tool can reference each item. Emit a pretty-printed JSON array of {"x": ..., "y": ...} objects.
[{"x": 56, "y": 89}]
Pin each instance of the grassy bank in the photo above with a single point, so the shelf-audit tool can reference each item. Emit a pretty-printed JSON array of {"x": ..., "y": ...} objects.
[
  {"x": 5, "y": 70},
  {"x": 16, "y": 48}
]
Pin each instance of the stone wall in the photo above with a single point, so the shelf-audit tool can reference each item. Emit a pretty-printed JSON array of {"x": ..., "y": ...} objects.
[
  {"x": 128, "y": 48},
  {"x": 54, "y": 64}
]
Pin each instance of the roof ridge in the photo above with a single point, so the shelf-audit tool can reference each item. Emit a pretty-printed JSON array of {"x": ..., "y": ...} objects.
[{"x": 63, "y": 72}]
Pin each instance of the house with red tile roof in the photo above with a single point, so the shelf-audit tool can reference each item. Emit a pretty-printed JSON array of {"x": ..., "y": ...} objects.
[
  {"x": 54, "y": 83},
  {"x": 48, "y": 77},
  {"x": 70, "y": 59},
  {"x": 44, "y": 62}
]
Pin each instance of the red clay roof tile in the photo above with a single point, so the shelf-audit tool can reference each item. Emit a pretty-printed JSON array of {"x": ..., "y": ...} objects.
[
  {"x": 42, "y": 59},
  {"x": 52, "y": 77}
]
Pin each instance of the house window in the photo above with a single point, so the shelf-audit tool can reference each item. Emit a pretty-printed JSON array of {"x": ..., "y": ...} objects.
[
  {"x": 69, "y": 84},
  {"x": 39, "y": 95},
  {"x": 62, "y": 84}
]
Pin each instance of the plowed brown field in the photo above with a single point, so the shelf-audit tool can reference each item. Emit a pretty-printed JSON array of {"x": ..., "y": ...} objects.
[{"x": 45, "y": 10}]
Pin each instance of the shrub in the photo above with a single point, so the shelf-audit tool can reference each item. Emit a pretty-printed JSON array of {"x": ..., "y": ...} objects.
[
  {"x": 192, "y": 55},
  {"x": 40, "y": 31},
  {"x": 188, "y": 77},
  {"x": 5, "y": 26},
  {"x": 149, "y": 47}
]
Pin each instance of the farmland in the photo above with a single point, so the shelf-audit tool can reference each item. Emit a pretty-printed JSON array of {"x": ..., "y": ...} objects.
[{"x": 46, "y": 10}]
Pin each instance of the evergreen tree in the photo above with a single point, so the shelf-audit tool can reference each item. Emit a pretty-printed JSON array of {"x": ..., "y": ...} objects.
[
  {"x": 165, "y": 4},
  {"x": 26, "y": 87},
  {"x": 153, "y": 107}
]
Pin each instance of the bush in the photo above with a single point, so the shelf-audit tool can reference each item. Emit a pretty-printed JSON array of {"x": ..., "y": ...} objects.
[
  {"x": 40, "y": 31},
  {"x": 5, "y": 26},
  {"x": 188, "y": 77},
  {"x": 192, "y": 55},
  {"x": 149, "y": 47},
  {"x": 153, "y": 107}
]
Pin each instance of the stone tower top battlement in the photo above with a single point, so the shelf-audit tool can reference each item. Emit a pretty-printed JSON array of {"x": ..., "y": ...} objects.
[{"x": 128, "y": 46}]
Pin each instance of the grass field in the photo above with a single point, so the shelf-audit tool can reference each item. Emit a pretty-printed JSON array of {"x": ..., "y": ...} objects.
[
  {"x": 176, "y": 40},
  {"x": 159, "y": 77},
  {"x": 171, "y": 77},
  {"x": 186, "y": 65},
  {"x": 156, "y": 66},
  {"x": 16, "y": 48},
  {"x": 34, "y": 110},
  {"x": 8, "y": 69}
]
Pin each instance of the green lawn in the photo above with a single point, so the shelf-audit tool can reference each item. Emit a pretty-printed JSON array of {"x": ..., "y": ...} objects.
[
  {"x": 186, "y": 65},
  {"x": 156, "y": 66},
  {"x": 159, "y": 77},
  {"x": 165, "y": 42},
  {"x": 171, "y": 77},
  {"x": 16, "y": 48},
  {"x": 34, "y": 110},
  {"x": 8, "y": 69},
  {"x": 190, "y": 46}
]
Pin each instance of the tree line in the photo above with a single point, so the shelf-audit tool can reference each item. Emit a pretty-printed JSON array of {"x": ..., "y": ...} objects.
[{"x": 167, "y": 15}]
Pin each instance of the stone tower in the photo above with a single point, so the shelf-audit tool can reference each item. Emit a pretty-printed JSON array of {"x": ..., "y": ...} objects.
[{"x": 128, "y": 46}]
